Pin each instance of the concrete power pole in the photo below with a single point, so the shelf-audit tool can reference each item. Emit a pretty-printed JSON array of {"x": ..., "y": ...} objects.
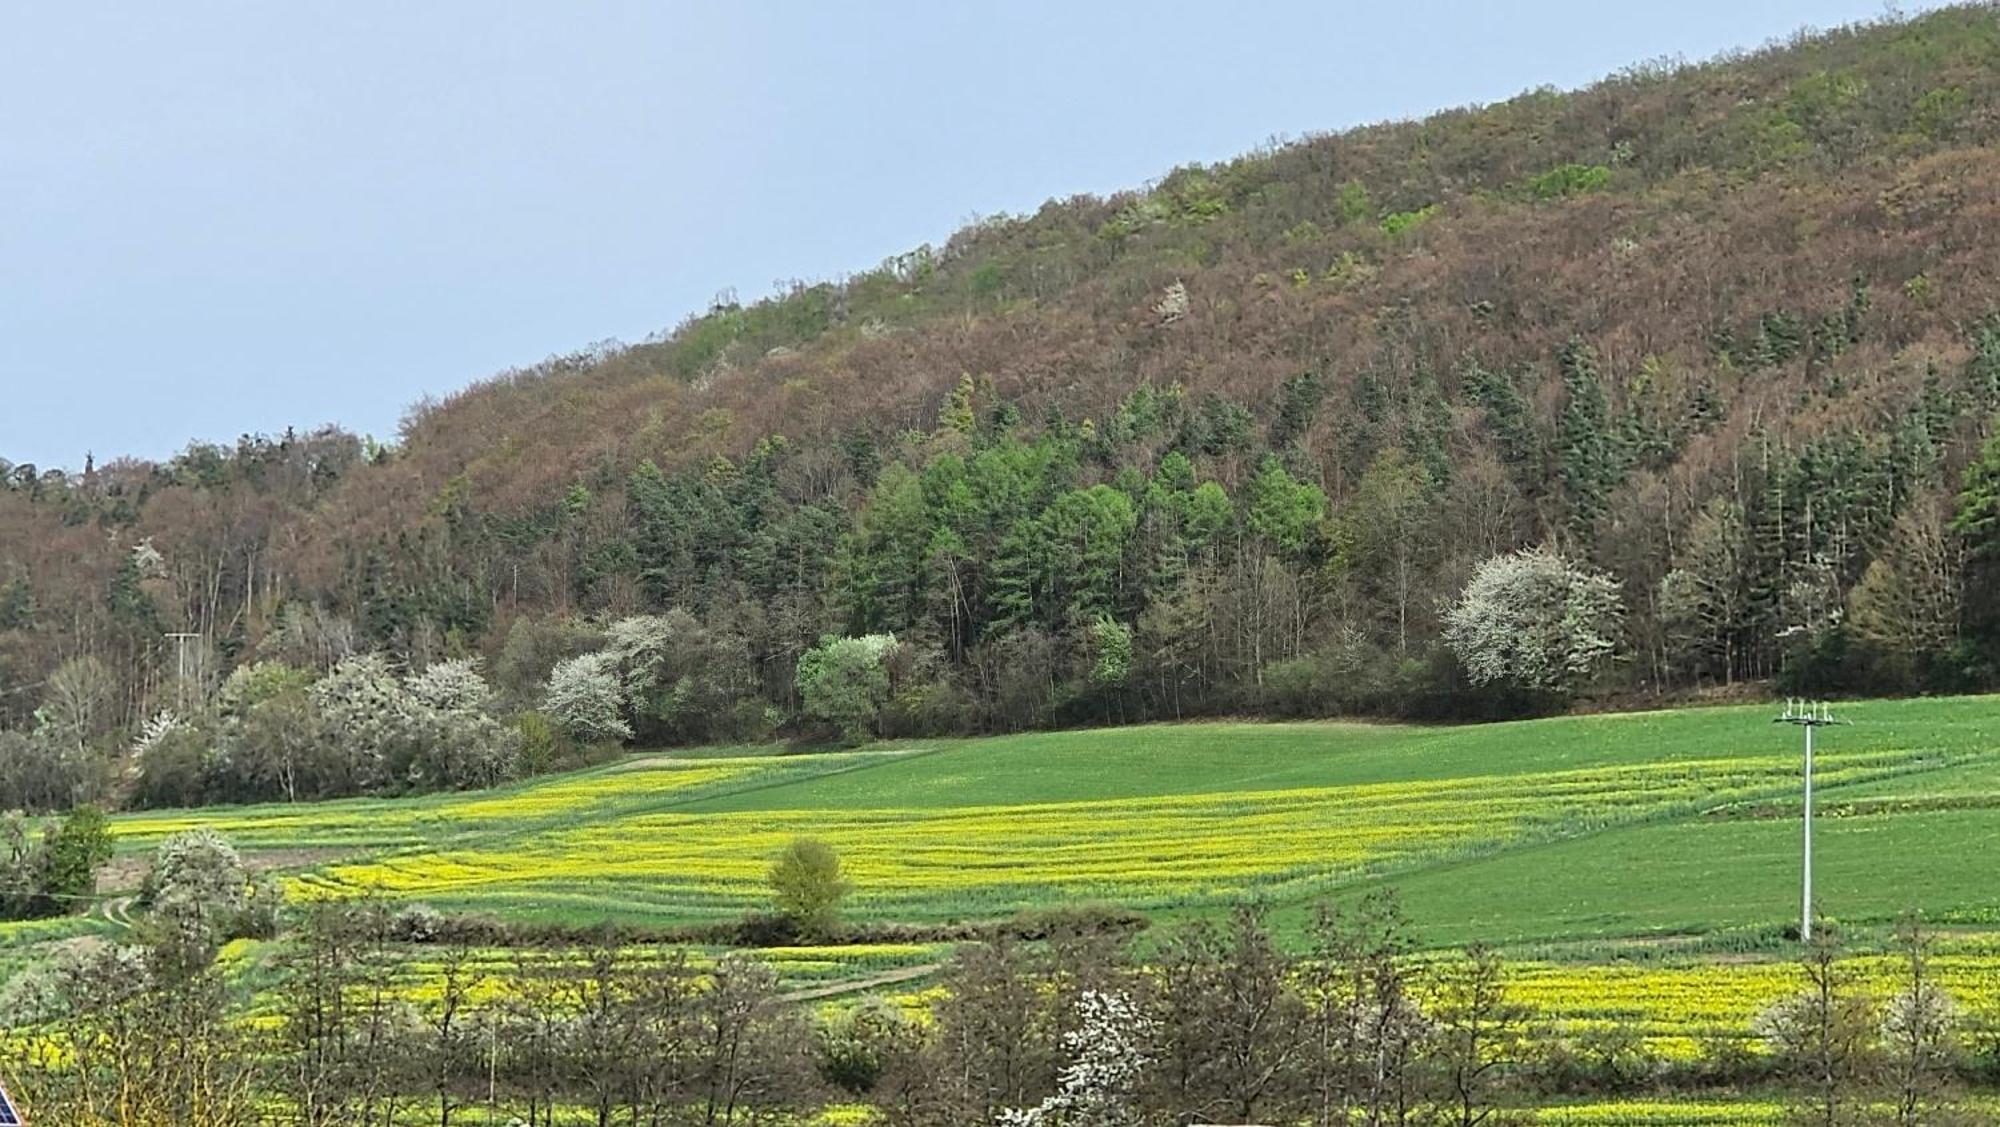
[
  {"x": 181, "y": 668},
  {"x": 1807, "y": 715}
]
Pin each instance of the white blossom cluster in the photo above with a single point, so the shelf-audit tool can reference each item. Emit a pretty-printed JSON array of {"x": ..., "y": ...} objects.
[
  {"x": 1534, "y": 619},
  {"x": 585, "y": 697},
  {"x": 1107, "y": 1055},
  {"x": 155, "y": 731}
]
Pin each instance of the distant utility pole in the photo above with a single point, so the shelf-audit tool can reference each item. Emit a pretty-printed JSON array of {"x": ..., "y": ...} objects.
[
  {"x": 181, "y": 677},
  {"x": 1807, "y": 715}
]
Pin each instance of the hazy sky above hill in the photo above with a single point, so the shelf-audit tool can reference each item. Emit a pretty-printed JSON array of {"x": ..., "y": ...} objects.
[{"x": 229, "y": 217}]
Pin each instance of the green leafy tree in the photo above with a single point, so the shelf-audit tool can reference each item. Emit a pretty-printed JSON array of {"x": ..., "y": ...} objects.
[
  {"x": 1389, "y": 535},
  {"x": 1354, "y": 204},
  {"x": 1511, "y": 419},
  {"x": 1111, "y": 643},
  {"x": 56, "y": 874},
  {"x": 78, "y": 846},
  {"x": 17, "y": 604},
  {"x": 1978, "y": 516},
  {"x": 1085, "y": 535},
  {"x": 1705, "y": 602},
  {"x": 1284, "y": 511},
  {"x": 1909, "y": 600},
  {"x": 885, "y": 569},
  {"x": 1977, "y": 523},
  {"x": 957, "y": 417},
  {"x": 1209, "y": 518},
  {"x": 1982, "y": 372},
  {"x": 1298, "y": 403},
  {"x": 807, "y": 887},
  {"x": 845, "y": 681},
  {"x": 1068, "y": 565}
]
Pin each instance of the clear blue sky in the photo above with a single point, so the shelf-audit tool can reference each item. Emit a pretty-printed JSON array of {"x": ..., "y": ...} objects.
[{"x": 229, "y": 217}]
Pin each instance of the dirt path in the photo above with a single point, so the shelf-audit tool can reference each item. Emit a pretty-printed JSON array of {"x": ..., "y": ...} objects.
[{"x": 857, "y": 985}]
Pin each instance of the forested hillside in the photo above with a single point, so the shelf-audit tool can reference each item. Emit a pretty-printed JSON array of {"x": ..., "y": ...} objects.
[{"x": 1716, "y": 345}]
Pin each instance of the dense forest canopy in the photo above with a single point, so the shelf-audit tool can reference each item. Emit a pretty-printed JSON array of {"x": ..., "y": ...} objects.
[{"x": 1680, "y": 380}]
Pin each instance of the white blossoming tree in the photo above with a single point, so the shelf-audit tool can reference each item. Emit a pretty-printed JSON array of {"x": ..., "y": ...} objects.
[
  {"x": 584, "y": 697},
  {"x": 643, "y": 645},
  {"x": 155, "y": 732},
  {"x": 367, "y": 707},
  {"x": 147, "y": 562},
  {"x": 451, "y": 686},
  {"x": 457, "y": 740},
  {"x": 1534, "y": 619},
  {"x": 202, "y": 891},
  {"x": 1107, "y": 1056}
]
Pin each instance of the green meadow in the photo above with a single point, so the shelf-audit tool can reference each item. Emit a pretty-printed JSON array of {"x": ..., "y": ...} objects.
[{"x": 1588, "y": 828}]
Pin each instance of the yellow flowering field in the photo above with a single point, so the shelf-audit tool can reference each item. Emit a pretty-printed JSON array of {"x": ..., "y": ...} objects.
[
  {"x": 1664, "y": 1113},
  {"x": 1150, "y": 851},
  {"x": 1693, "y": 1113},
  {"x": 498, "y": 974},
  {"x": 1676, "y": 1008}
]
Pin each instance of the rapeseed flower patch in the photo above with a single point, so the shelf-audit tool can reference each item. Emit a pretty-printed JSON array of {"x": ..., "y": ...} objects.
[
  {"x": 1663, "y": 1113},
  {"x": 1677, "y": 1009}
]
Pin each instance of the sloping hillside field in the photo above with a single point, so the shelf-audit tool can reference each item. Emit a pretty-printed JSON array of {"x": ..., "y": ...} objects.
[{"x": 1579, "y": 828}]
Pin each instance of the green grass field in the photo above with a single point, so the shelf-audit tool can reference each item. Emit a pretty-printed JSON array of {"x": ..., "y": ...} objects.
[{"x": 1595, "y": 828}]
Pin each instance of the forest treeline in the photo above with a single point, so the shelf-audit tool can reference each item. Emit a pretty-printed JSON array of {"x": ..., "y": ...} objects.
[{"x": 1687, "y": 378}]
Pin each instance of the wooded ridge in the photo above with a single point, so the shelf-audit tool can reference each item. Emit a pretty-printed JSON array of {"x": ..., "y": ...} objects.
[{"x": 1679, "y": 380}]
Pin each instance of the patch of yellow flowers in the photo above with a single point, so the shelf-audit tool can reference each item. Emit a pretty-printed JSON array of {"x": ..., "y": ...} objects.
[
  {"x": 495, "y": 975},
  {"x": 1676, "y": 1009},
  {"x": 1686, "y": 1113},
  {"x": 1663, "y": 1113}
]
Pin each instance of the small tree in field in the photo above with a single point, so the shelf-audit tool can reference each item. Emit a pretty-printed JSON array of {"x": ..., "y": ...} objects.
[
  {"x": 1476, "y": 1035},
  {"x": 201, "y": 894},
  {"x": 1534, "y": 619},
  {"x": 1824, "y": 1036},
  {"x": 1920, "y": 1036},
  {"x": 56, "y": 875},
  {"x": 807, "y": 886},
  {"x": 77, "y": 847}
]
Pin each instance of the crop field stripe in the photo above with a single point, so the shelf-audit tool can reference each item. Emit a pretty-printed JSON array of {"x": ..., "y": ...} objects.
[{"x": 1156, "y": 850}]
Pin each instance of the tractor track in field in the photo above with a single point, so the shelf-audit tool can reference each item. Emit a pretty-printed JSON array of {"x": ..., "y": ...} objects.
[
  {"x": 857, "y": 985},
  {"x": 116, "y": 910}
]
